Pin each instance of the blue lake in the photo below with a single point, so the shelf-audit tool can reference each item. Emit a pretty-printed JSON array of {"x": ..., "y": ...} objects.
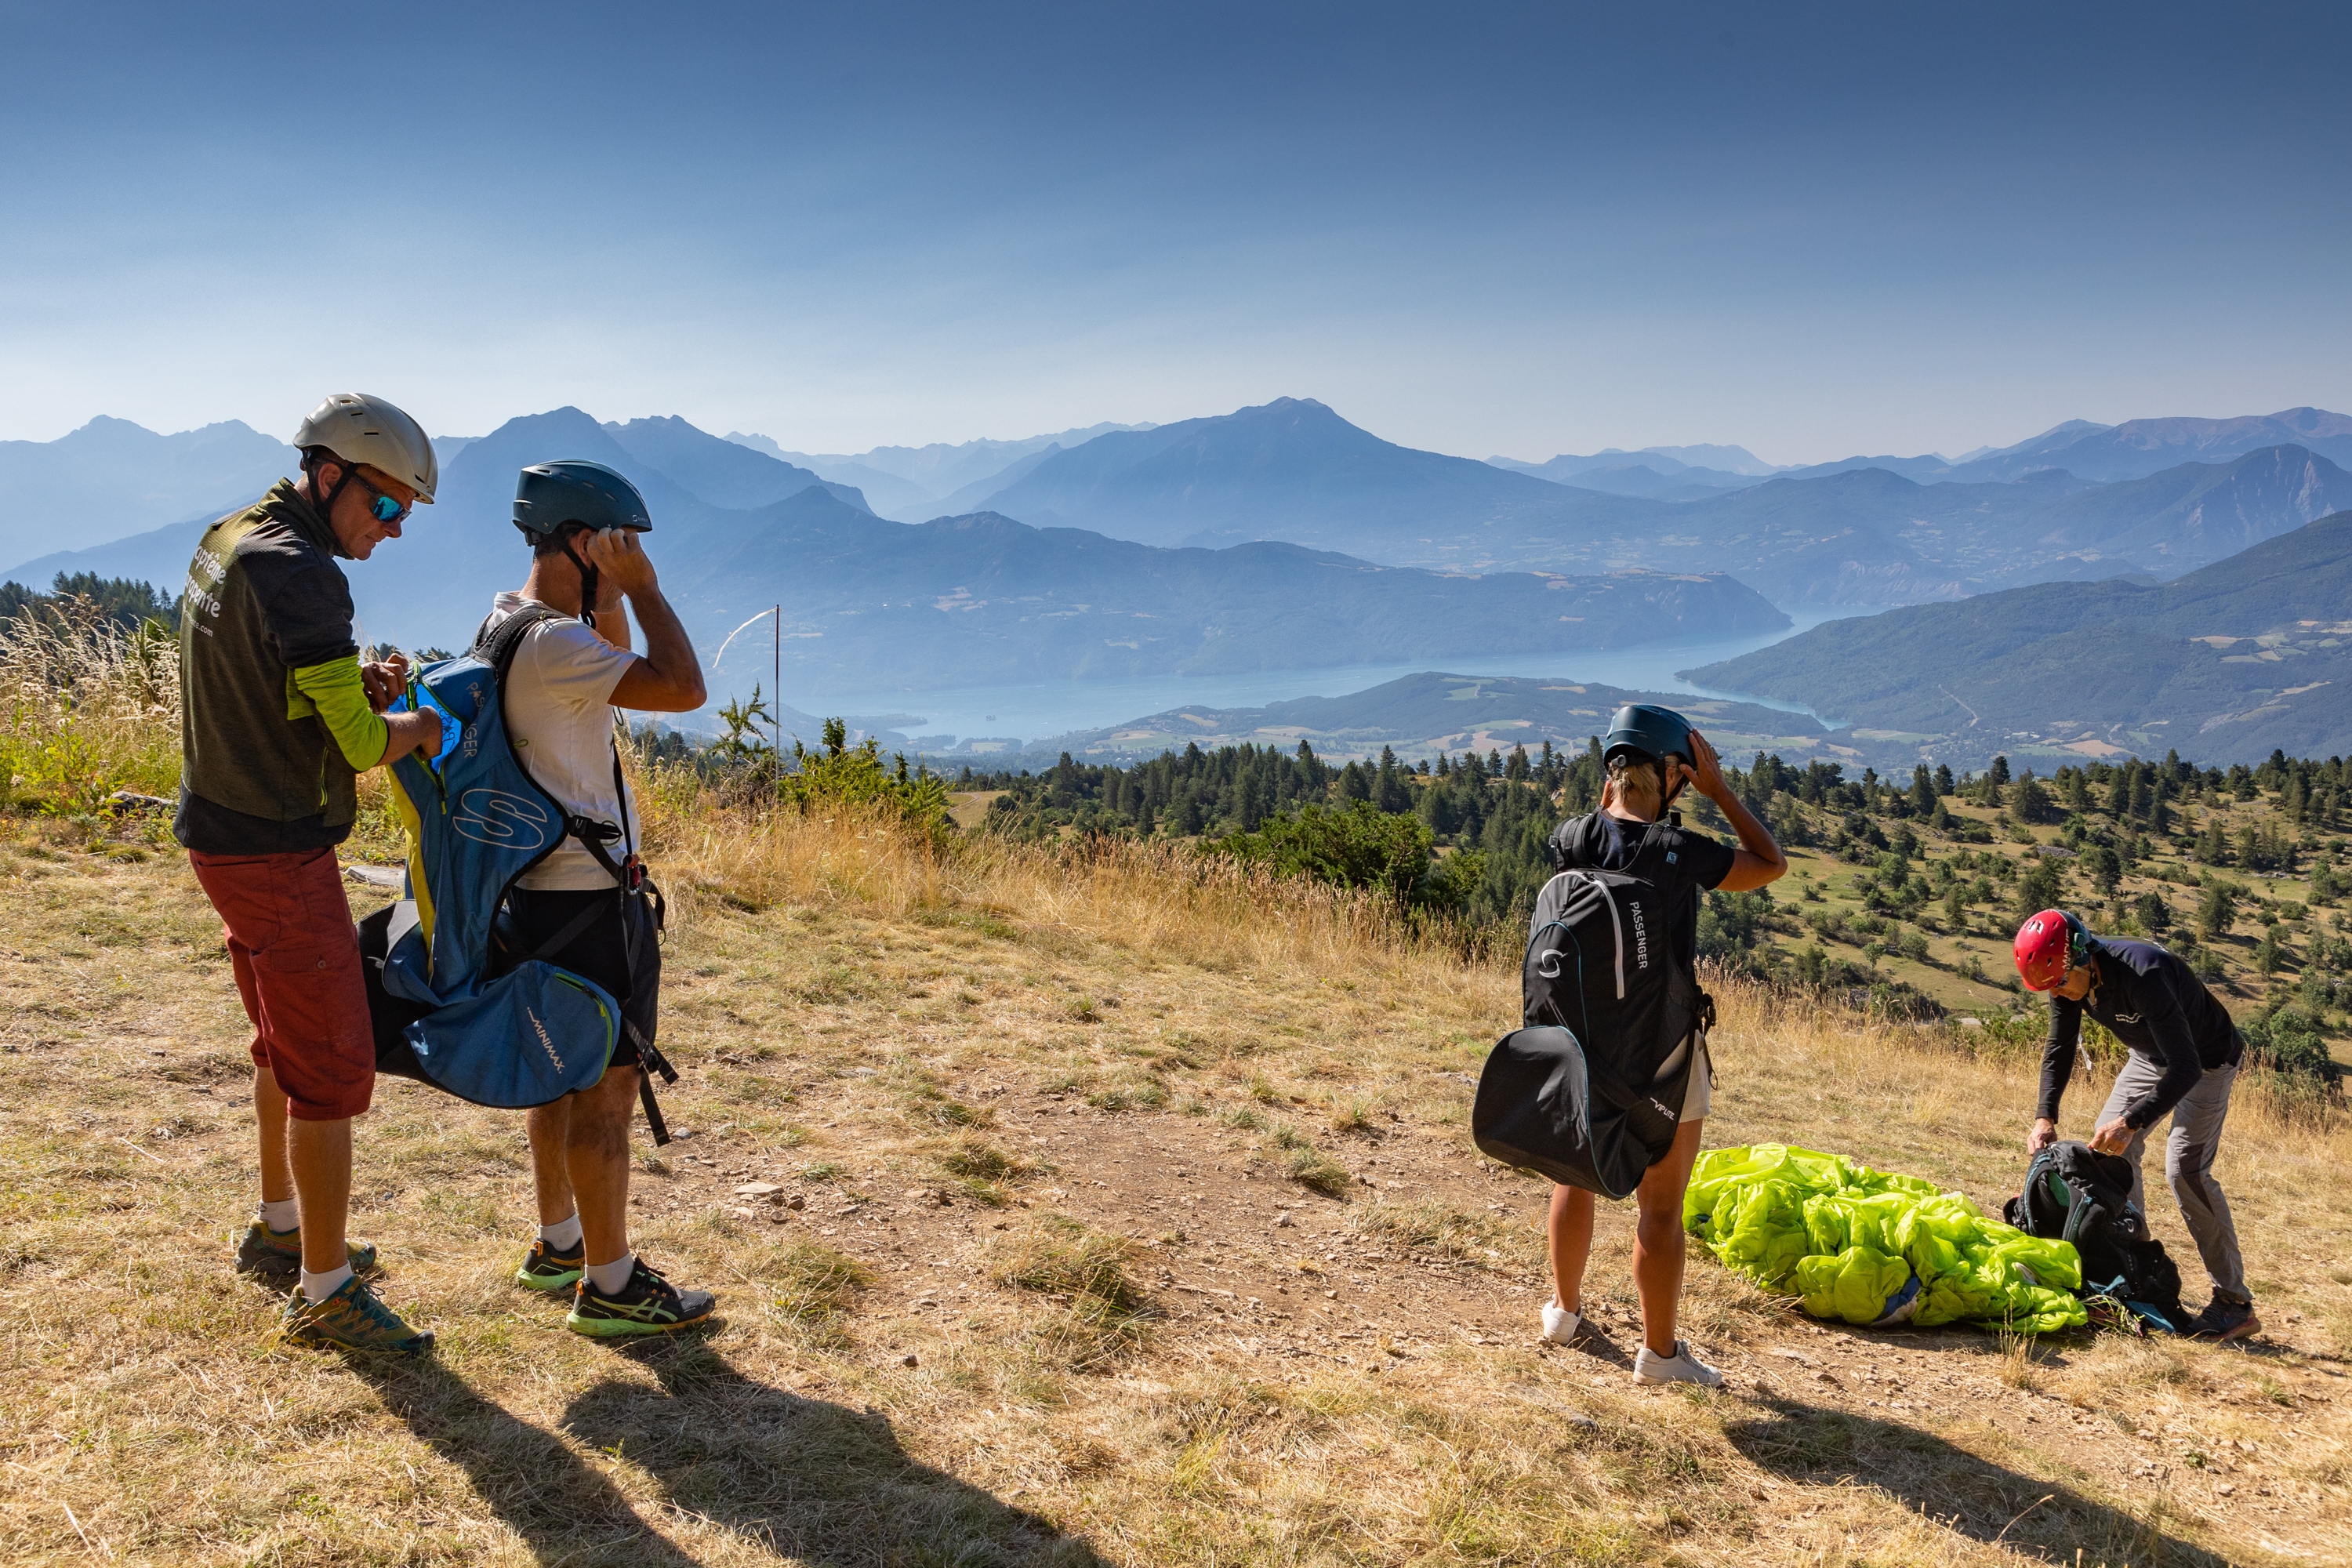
[{"x": 1037, "y": 710}]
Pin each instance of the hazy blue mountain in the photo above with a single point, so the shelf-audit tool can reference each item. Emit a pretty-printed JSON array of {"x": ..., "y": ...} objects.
[
  {"x": 2249, "y": 654},
  {"x": 886, "y": 495},
  {"x": 941, "y": 469},
  {"x": 721, "y": 472},
  {"x": 1291, "y": 469},
  {"x": 1738, "y": 469},
  {"x": 974, "y": 496},
  {"x": 2058, "y": 435},
  {"x": 1867, "y": 536},
  {"x": 1421, "y": 715},
  {"x": 1728, "y": 460},
  {"x": 2139, "y": 447},
  {"x": 113, "y": 478},
  {"x": 983, "y": 599},
  {"x": 2133, "y": 450},
  {"x": 1633, "y": 474}
]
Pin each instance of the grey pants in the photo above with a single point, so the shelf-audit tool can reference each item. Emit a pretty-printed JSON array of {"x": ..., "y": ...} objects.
[{"x": 2188, "y": 1152}]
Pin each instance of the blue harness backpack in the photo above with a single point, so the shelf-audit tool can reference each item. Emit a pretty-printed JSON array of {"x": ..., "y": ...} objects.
[{"x": 453, "y": 1003}]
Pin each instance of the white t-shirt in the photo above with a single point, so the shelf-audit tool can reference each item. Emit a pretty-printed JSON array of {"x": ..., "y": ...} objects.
[{"x": 560, "y": 721}]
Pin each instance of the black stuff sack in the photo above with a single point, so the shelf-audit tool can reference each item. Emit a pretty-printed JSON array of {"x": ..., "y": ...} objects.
[{"x": 1535, "y": 1110}]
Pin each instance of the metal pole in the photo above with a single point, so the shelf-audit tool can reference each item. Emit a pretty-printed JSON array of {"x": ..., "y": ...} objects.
[{"x": 776, "y": 713}]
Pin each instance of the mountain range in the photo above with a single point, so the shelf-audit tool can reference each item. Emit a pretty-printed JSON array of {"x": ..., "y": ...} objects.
[
  {"x": 2132, "y": 451},
  {"x": 913, "y": 484},
  {"x": 2225, "y": 663},
  {"x": 1421, "y": 715},
  {"x": 976, "y": 599},
  {"x": 1294, "y": 469},
  {"x": 112, "y": 477}
]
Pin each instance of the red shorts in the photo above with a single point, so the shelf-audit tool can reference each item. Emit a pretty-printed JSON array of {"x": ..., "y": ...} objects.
[{"x": 297, "y": 958}]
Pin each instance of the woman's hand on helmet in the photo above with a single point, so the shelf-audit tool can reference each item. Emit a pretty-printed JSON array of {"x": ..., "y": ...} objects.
[
  {"x": 620, "y": 560},
  {"x": 1704, "y": 772}
]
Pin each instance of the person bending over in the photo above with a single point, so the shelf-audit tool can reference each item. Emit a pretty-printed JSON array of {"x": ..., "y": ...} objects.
[
  {"x": 570, "y": 673},
  {"x": 1652, "y": 754},
  {"x": 279, "y": 716},
  {"x": 2184, "y": 1057}
]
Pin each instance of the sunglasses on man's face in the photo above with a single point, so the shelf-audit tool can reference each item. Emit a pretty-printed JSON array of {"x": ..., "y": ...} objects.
[{"x": 384, "y": 508}]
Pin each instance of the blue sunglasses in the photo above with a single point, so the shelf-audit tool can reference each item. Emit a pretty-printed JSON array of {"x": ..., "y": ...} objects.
[{"x": 384, "y": 509}]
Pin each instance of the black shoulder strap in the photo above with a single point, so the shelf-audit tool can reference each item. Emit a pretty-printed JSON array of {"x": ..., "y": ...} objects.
[{"x": 495, "y": 644}]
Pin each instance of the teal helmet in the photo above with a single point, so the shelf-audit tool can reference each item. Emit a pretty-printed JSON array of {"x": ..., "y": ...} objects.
[
  {"x": 549, "y": 497},
  {"x": 1648, "y": 731}
]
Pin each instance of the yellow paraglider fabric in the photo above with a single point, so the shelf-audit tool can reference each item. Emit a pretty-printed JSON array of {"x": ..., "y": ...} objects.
[{"x": 1851, "y": 1240}]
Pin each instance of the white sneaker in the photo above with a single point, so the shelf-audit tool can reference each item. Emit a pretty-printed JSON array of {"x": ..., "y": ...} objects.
[
  {"x": 1680, "y": 1367},
  {"x": 1559, "y": 1323}
]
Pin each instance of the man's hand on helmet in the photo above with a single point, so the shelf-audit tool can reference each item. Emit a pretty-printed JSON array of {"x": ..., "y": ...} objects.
[{"x": 620, "y": 560}]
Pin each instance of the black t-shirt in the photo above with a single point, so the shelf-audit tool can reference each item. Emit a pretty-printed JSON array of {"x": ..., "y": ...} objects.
[
  {"x": 1693, "y": 863},
  {"x": 2148, "y": 999}
]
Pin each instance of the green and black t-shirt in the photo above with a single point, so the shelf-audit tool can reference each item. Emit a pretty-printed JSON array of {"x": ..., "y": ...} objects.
[{"x": 261, "y": 775}]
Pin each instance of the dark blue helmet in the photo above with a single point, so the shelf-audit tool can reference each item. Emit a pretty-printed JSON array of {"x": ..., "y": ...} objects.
[
  {"x": 1649, "y": 731},
  {"x": 550, "y": 496}
]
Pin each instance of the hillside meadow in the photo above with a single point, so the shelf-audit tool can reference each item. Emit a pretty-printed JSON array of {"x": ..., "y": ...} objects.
[{"x": 1068, "y": 1203}]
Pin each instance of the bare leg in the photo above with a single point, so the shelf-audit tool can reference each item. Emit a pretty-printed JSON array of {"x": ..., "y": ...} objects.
[
  {"x": 1658, "y": 1238},
  {"x": 269, "y": 1122},
  {"x": 322, "y": 1157},
  {"x": 550, "y": 1127},
  {"x": 597, "y": 1153},
  {"x": 1571, "y": 1244}
]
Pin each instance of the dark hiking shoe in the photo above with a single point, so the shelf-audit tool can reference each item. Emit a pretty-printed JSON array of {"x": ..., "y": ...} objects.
[
  {"x": 278, "y": 1254},
  {"x": 353, "y": 1318},
  {"x": 2225, "y": 1319},
  {"x": 647, "y": 1304},
  {"x": 544, "y": 1269}
]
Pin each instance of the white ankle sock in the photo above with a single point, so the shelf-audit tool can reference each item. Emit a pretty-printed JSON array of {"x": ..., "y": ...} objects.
[
  {"x": 564, "y": 1234},
  {"x": 281, "y": 1214},
  {"x": 316, "y": 1288},
  {"x": 609, "y": 1278}
]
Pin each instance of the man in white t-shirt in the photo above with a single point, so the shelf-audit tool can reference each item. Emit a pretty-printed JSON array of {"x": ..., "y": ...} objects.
[{"x": 569, "y": 672}]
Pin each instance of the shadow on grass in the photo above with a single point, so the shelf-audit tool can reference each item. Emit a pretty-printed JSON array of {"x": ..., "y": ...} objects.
[
  {"x": 565, "y": 1510},
  {"x": 814, "y": 1482},
  {"x": 1964, "y": 1493}
]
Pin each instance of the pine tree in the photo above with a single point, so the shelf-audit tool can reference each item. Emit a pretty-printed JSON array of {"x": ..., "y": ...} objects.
[
  {"x": 2216, "y": 912},
  {"x": 1923, "y": 791},
  {"x": 1944, "y": 785}
]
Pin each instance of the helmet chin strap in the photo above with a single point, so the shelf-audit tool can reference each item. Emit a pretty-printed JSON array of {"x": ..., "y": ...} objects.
[{"x": 587, "y": 585}]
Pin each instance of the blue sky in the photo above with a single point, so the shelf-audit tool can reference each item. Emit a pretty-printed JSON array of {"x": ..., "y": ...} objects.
[{"x": 1816, "y": 230}]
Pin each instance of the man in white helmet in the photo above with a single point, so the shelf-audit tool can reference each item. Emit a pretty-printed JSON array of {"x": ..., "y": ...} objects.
[{"x": 277, "y": 720}]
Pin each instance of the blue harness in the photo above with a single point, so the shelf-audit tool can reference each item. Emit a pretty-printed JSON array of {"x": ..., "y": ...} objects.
[{"x": 475, "y": 1018}]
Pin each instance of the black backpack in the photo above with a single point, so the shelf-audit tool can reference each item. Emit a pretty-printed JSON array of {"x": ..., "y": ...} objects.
[
  {"x": 1576, "y": 1094},
  {"x": 2077, "y": 1195}
]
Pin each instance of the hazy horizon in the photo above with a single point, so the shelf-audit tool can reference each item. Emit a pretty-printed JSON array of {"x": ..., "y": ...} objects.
[{"x": 1851, "y": 232}]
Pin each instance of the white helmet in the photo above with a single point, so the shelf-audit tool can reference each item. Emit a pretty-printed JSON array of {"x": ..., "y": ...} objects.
[{"x": 359, "y": 428}]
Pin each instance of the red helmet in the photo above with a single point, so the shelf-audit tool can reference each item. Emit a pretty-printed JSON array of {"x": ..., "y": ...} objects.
[{"x": 2048, "y": 945}]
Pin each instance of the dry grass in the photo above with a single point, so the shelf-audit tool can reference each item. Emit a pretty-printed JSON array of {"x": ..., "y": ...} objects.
[{"x": 864, "y": 1018}]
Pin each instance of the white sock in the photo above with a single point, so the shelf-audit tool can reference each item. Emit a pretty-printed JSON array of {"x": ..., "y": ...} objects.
[
  {"x": 281, "y": 1214},
  {"x": 608, "y": 1278},
  {"x": 316, "y": 1288},
  {"x": 564, "y": 1234}
]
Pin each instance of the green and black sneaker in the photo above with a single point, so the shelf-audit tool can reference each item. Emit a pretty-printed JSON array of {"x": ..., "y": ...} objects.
[
  {"x": 544, "y": 1269},
  {"x": 647, "y": 1304},
  {"x": 278, "y": 1254},
  {"x": 353, "y": 1318}
]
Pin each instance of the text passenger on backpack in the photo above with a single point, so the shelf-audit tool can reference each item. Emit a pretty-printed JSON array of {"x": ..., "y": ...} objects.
[
  {"x": 570, "y": 671},
  {"x": 2184, "y": 1057},
  {"x": 1652, "y": 754},
  {"x": 279, "y": 718}
]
